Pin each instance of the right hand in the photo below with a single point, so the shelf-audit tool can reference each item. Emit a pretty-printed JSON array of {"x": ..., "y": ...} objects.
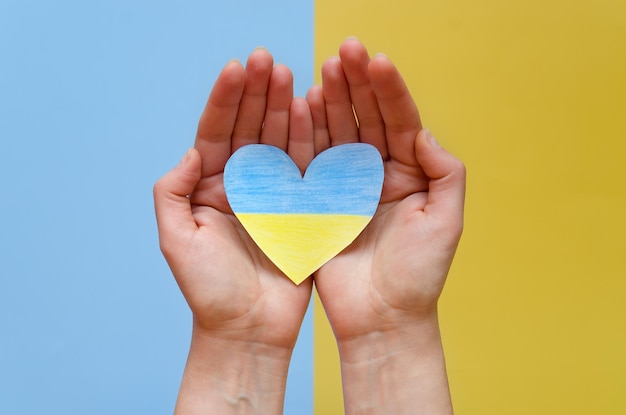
[{"x": 233, "y": 290}]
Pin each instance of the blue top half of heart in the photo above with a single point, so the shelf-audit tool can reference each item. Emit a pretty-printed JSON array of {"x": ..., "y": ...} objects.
[{"x": 345, "y": 179}]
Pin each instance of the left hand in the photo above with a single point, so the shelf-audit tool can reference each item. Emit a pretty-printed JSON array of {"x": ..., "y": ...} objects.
[
  {"x": 380, "y": 294},
  {"x": 397, "y": 267}
]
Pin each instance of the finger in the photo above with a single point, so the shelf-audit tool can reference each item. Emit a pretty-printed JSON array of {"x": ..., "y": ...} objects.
[
  {"x": 342, "y": 125},
  {"x": 213, "y": 139},
  {"x": 315, "y": 99},
  {"x": 247, "y": 128},
  {"x": 355, "y": 60},
  {"x": 446, "y": 173},
  {"x": 276, "y": 122},
  {"x": 399, "y": 112},
  {"x": 210, "y": 192},
  {"x": 300, "y": 147},
  {"x": 172, "y": 206}
]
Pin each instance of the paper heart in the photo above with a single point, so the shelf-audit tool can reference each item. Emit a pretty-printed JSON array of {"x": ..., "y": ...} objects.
[{"x": 302, "y": 222}]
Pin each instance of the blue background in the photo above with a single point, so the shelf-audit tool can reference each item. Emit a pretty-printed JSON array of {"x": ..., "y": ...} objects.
[{"x": 99, "y": 99}]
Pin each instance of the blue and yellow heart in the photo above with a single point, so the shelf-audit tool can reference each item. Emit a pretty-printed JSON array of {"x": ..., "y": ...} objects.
[{"x": 301, "y": 222}]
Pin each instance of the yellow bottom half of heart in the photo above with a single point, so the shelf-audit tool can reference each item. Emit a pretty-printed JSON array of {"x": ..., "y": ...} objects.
[{"x": 301, "y": 243}]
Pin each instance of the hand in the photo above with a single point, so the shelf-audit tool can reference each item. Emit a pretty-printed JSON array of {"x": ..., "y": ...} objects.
[
  {"x": 246, "y": 313},
  {"x": 380, "y": 294}
]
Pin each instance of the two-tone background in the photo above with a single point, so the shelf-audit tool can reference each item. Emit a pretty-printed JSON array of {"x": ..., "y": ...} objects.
[{"x": 99, "y": 99}]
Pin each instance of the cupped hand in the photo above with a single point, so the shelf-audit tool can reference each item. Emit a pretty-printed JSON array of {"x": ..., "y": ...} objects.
[
  {"x": 233, "y": 290},
  {"x": 392, "y": 275}
]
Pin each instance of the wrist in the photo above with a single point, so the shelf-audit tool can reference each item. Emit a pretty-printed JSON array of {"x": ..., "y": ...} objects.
[
  {"x": 399, "y": 370},
  {"x": 225, "y": 376}
]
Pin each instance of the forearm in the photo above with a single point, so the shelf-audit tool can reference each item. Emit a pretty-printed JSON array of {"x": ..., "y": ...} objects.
[
  {"x": 232, "y": 377},
  {"x": 398, "y": 372}
]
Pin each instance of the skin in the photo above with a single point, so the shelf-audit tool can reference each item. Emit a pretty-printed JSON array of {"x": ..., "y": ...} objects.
[
  {"x": 380, "y": 294},
  {"x": 246, "y": 314}
]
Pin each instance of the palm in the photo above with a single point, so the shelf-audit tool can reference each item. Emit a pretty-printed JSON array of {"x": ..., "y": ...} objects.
[
  {"x": 232, "y": 284},
  {"x": 374, "y": 285}
]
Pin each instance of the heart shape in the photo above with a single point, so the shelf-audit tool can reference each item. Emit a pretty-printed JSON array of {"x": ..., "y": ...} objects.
[{"x": 302, "y": 222}]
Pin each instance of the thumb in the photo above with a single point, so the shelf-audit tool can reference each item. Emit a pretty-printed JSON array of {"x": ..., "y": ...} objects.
[
  {"x": 172, "y": 206},
  {"x": 446, "y": 173}
]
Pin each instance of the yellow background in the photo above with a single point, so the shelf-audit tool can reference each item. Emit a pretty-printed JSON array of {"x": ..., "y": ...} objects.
[{"x": 531, "y": 95}]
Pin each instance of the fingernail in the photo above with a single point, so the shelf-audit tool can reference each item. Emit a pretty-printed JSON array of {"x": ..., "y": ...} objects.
[
  {"x": 352, "y": 38},
  {"x": 431, "y": 138},
  {"x": 185, "y": 158},
  {"x": 260, "y": 47}
]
